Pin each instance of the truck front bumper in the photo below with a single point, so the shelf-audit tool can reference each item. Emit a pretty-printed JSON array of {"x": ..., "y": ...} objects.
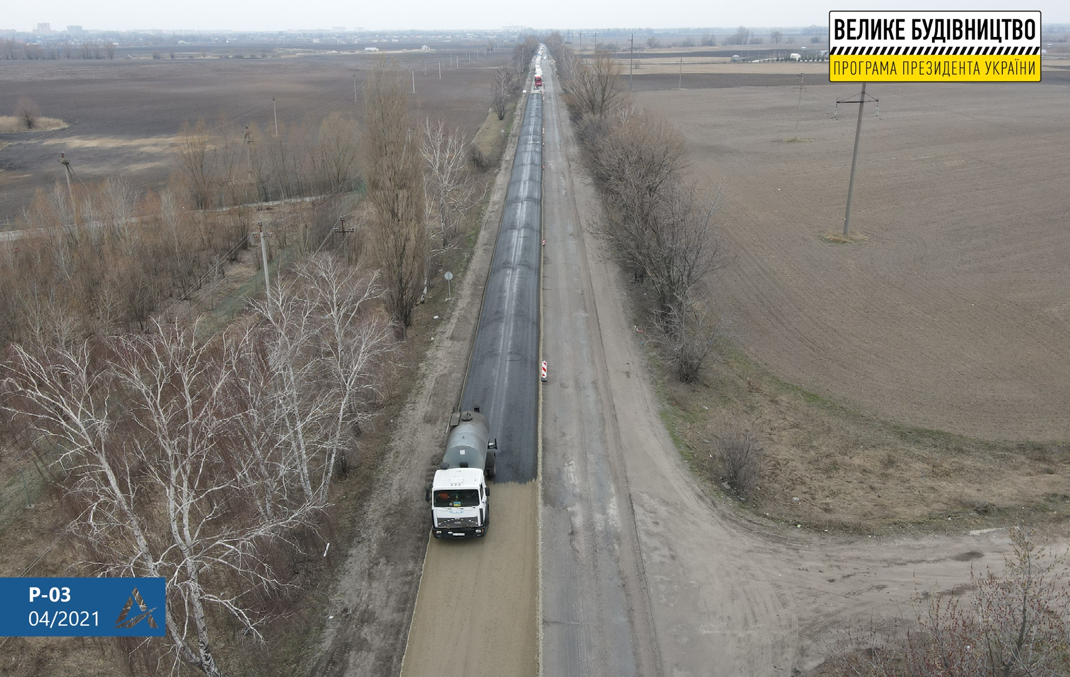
[{"x": 471, "y": 532}]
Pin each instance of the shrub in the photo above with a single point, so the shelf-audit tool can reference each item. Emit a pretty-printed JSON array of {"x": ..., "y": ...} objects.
[
  {"x": 740, "y": 456},
  {"x": 27, "y": 111},
  {"x": 479, "y": 159}
]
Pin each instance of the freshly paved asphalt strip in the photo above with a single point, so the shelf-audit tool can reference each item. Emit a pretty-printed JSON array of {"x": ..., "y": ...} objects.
[
  {"x": 476, "y": 612},
  {"x": 503, "y": 376}
]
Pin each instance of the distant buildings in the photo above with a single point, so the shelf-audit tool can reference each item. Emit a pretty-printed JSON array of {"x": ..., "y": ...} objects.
[{"x": 43, "y": 29}]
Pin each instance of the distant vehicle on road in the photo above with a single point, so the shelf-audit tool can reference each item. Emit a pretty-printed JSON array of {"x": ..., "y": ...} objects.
[{"x": 459, "y": 495}]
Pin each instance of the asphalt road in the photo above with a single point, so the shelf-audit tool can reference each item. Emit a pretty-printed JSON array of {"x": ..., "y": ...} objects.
[
  {"x": 595, "y": 613},
  {"x": 476, "y": 610},
  {"x": 503, "y": 375}
]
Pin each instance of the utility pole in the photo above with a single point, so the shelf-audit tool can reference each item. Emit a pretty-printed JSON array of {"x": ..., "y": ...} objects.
[
  {"x": 276, "y": 114},
  {"x": 440, "y": 69},
  {"x": 249, "y": 158},
  {"x": 414, "y": 81},
  {"x": 861, "y": 101},
  {"x": 355, "y": 85},
  {"x": 680, "y": 85},
  {"x": 67, "y": 174},
  {"x": 631, "y": 62},
  {"x": 263, "y": 252},
  {"x": 799, "y": 106}
]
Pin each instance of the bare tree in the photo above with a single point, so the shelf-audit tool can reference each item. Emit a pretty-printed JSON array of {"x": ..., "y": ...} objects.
[
  {"x": 397, "y": 232},
  {"x": 684, "y": 247},
  {"x": 336, "y": 154},
  {"x": 196, "y": 163},
  {"x": 220, "y": 451},
  {"x": 652, "y": 42},
  {"x": 501, "y": 91},
  {"x": 27, "y": 111},
  {"x": 450, "y": 187},
  {"x": 776, "y": 37},
  {"x": 740, "y": 37},
  {"x": 691, "y": 336},
  {"x": 595, "y": 87}
]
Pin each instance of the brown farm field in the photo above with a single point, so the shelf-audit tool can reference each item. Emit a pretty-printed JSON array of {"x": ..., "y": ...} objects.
[
  {"x": 124, "y": 115},
  {"x": 953, "y": 313},
  {"x": 917, "y": 375}
]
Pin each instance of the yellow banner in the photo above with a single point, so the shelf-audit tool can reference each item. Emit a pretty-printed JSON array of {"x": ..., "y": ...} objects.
[{"x": 935, "y": 68}]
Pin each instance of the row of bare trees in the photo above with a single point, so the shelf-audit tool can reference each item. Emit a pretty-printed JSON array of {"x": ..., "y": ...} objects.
[
  {"x": 102, "y": 258},
  {"x": 420, "y": 189},
  {"x": 1016, "y": 623},
  {"x": 661, "y": 226},
  {"x": 228, "y": 166},
  {"x": 207, "y": 462}
]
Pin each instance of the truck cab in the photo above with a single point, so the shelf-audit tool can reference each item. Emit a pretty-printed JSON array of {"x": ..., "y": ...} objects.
[{"x": 459, "y": 503}]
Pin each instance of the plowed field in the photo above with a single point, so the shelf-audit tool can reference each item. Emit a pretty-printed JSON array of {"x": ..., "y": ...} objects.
[{"x": 954, "y": 312}]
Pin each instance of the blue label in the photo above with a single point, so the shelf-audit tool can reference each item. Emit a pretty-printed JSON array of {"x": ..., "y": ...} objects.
[{"x": 82, "y": 607}]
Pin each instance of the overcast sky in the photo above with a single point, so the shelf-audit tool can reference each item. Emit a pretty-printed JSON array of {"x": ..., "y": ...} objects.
[{"x": 444, "y": 14}]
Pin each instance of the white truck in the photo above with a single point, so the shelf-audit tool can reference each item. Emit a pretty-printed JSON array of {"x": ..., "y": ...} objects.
[{"x": 459, "y": 495}]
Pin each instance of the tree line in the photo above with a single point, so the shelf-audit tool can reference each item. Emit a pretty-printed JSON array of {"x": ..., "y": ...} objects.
[
  {"x": 207, "y": 463},
  {"x": 661, "y": 226},
  {"x": 14, "y": 50}
]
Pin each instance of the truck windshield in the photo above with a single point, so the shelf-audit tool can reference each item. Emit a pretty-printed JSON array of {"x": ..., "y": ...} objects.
[{"x": 456, "y": 498}]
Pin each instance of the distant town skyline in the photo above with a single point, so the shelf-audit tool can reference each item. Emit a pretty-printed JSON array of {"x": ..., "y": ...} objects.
[{"x": 207, "y": 15}]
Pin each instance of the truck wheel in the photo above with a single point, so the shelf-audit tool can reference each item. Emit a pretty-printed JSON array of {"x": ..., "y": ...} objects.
[{"x": 492, "y": 464}]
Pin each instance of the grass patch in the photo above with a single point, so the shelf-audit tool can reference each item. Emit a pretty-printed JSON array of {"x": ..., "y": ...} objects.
[
  {"x": 853, "y": 237},
  {"x": 493, "y": 134},
  {"x": 827, "y": 465},
  {"x": 9, "y": 124}
]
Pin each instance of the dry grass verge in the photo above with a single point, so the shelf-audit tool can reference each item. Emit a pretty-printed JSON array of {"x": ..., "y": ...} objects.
[
  {"x": 9, "y": 124},
  {"x": 826, "y": 465},
  {"x": 491, "y": 138}
]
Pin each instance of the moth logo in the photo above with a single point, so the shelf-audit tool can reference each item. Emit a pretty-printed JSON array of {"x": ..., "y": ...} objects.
[{"x": 146, "y": 613}]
